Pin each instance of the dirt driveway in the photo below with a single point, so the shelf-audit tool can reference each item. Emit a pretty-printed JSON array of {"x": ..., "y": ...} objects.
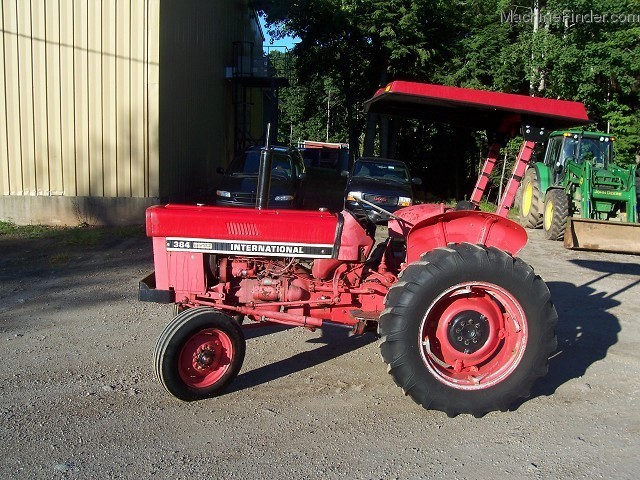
[{"x": 78, "y": 398}]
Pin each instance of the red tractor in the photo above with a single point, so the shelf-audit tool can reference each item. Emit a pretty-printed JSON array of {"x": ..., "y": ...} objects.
[{"x": 465, "y": 326}]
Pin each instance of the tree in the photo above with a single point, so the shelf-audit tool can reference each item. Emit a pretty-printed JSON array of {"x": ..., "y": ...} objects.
[{"x": 356, "y": 47}]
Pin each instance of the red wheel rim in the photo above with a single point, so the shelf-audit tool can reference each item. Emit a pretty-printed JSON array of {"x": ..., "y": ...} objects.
[
  {"x": 205, "y": 358},
  {"x": 473, "y": 336}
]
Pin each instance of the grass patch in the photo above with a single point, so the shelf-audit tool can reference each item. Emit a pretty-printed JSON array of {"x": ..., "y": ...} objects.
[
  {"x": 132, "y": 231},
  {"x": 27, "y": 231},
  {"x": 82, "y": 235},
  {"x": 488, "y": 206}
]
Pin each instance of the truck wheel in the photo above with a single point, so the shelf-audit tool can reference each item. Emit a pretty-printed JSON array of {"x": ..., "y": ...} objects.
[
  {"x": 556, "y": 211},
  {"x": 530, "y": 200},
  {"x": 467, "y": 329},
  {"x": 199, "y": 352}
]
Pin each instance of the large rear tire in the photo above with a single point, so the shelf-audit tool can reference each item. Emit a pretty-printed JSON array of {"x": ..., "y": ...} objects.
[
  {"x": 467, "y": 329},
  {"x": 199, "y": 352},
  {"x": 556, "y": 212},
  {"x": 530, "y": 200}
]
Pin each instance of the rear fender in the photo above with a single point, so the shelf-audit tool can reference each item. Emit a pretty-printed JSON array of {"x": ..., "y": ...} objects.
[{"x": 464, "y": 226}]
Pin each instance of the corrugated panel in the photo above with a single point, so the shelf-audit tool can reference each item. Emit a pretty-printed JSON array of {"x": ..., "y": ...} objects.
[
  {"x": 152, "y": 104},
  {"x": 123, "y": 126},
  {"x": 53, "y": 86},
  {"x": 25, "y": 72},
  {"x": 109, "y": 110},
  {"x": 13, "y": 115},
  {"x": 39, "y": 82},
  {"x": 137, "y": 99},
  {"x": 4, "y": 157},
  {"x": 67, "y": 96},
  {"x": 79, "y": 97},
  {"x": 94, "y": 93}
]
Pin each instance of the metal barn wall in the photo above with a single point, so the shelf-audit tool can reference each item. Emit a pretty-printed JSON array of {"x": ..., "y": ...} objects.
[
  {"x": 79, "y": 98},
  {"x": 108, "y": 106},
  {"x": 196, "y": 105}
]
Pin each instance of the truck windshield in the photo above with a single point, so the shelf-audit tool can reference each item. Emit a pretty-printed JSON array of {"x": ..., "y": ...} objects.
[
  {"x": 397, "y": 173},
  {"x": 249, "y": 163}
]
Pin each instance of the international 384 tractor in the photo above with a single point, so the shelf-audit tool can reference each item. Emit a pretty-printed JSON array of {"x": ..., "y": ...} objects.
[{"x": 465, "y": 326}]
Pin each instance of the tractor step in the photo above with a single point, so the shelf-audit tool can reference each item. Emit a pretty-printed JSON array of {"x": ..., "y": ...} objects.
[{"x": 601, "y": 235}]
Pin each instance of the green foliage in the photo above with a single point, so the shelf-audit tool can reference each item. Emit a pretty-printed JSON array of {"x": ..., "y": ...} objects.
[{"x": 352, "y": 47}]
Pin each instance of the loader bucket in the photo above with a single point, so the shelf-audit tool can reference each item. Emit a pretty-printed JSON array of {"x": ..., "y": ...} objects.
[{"x": 601, "y": 235}]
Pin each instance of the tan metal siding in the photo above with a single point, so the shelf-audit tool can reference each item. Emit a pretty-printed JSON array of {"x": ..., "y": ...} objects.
[
  {"x": 39, "y": 78},
  {"x": 152, "y": 110},
  {"x": 94, "y": 91},
  {"x": 12, "y": 118},
  {"x": 4, "y": 158},
  {"x": 136, "y": 100},
  {"x": 54, "y": 107},
  {"x": 67, "y": 110},
  {"x": 79, "y": 97}
]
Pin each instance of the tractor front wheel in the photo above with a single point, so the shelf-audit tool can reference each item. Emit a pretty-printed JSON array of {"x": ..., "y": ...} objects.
[
  {"x": 467, "y": 329},
  {"x": 530, "y": 200},
  {"x": 199, "y": 352},
  {"x": 556, "y": 212}
]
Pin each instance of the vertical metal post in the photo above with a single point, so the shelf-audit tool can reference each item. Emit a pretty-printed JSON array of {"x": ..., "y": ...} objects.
[{"x": 264, "y": 174}]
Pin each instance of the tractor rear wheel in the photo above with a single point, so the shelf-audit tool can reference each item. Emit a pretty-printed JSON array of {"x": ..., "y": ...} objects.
[
  {"x": 199, "y": 352},
  {"x": 556, "y": 212},
  {"x": 467, "y": 329},
  {"x": 530, "y": 200}
]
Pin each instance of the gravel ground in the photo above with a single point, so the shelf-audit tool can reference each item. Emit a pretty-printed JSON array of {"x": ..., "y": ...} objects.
[{"x": 78, "y": 398}]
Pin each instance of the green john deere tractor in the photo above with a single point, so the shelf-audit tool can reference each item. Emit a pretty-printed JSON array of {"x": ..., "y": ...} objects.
[{"x": 577, "y": 181}]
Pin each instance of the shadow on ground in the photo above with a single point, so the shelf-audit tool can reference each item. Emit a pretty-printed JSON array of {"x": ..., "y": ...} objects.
[
  {"x": 335, "y": 342},
  {"x": 586, "y": 329}
]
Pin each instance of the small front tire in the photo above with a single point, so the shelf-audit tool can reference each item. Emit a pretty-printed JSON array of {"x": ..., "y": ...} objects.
[{"x": 199, "y": 352}]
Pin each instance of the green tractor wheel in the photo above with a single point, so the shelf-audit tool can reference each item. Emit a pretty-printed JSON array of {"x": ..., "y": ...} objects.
[
  {"x": 556, "y": 212},
  {"x": 530, "y": 200}
]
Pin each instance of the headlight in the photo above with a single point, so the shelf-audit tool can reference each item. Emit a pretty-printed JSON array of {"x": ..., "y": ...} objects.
[
  {"x": 284, "y": 198},
  {"x": 353, "y": 196},
  {"x": 223, "y": 193},
  {"x": 404, "y": 202}
]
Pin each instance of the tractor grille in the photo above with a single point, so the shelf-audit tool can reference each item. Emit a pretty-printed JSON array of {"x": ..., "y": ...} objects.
[
  {"x": 245, "y": 198},
  {"x": 242, "y": 229},
  {"x": 382, "y": 200}
]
